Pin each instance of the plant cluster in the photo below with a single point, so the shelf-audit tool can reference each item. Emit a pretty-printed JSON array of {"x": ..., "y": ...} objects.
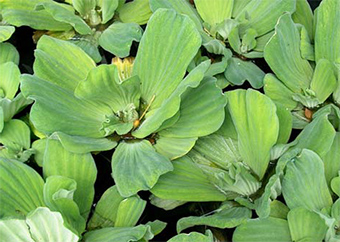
[{"x": 174, "y": 116}]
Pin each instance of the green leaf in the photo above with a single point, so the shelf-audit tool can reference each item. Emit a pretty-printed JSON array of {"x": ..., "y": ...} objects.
[
  {"x": 129, "y": 234},
  {"x": 108, "y": 8},
  {"x": 219, "y": 150},
  {"x": 317, "y": 136},
  {"x": 40, "y": 225},
  {"x": 61, "y": 62},
  {"x": 198, "y": 117},
  {"x": 89, "y": 44},
  {"x": 81, "y": 145},
  {"x": 156, "y": 226},
  {"x": 57, "y": 109},
  {"x": 331, "y": 159},
  {"x": 106, "y": 210},
  {"x": 282, "y": 54},
  {"x": 10, "y": 77},
  {"x": 137, "y": 166},
  {"x": 170, "y": 107},
  {"x": 214, "y": 12},
  {"x": 21, "y": 189},
  {"x": 186, "y": 182},
  {"x": 12, "y": 107},
  {"x": 268, "y": 229},
  {"x": 6, "y": 32},
  {"x": 278, "y": 92},
  {"x": 256, "y": 122},
  {"x": 165, "y": 204},
  {"x": 84, "y": 7},
  {"x": 278, "y": 210},
  {"x": 129, "y": 211},
  {"x": 137, "y": 11},
  {"x": 79, "y": 167},
  {"x": 167, "y": 47},
  {"x": 306, "y": 225},
  {"x": 8, "y": 53},
  {"x": 304, "y": 15},
  {"x": 103, "y": 85},
  {"x": 117, "y": 38},
  {"x": 15, "y": 137},
  {"x": 58, "y": 196},
  {"x": 327, "y": 31},
  {"x": 335, "y": 185},
  {"x": 324, "y": 80},
  {"x": 304, "y": 183},
  {"x": 285, "y": 123},
  {"x": 23, "y": 13},
  {"x": 39, "y": 151},
  {"x": 239, "y": 71},
  {"x": 223, "y": 218},
  {"x": 262, "y": 16},
  {"x": 60, "y": 13},
  {"x": 193, "y": 236},
  {"x": 174, "y": 148},
  {"x": 180, "y": 6}
]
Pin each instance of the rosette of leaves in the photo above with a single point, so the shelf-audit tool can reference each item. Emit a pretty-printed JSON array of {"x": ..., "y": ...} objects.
[
  {"x": 36, "y": 210},
  {"x": 305, "y": 61},
  {"x": 153, "y": 115},
  {"x": 234, "y": 30},
  {"x": 14, "y": 133},
  {"x": 111, "y": 24}
]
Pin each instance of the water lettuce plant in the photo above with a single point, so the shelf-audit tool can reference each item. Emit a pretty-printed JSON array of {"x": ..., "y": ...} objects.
[{"x": 131, "y": 121}]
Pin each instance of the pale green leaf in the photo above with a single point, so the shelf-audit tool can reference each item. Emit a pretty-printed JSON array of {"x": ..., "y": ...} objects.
[
  {"x": 304, "y": 183},
  {"x": 137, "y": 166},
  {"x": 120, "y": 234},
  {"x": 39, "y": 151},
  {"x": 263, "y": 230},
  {"x": 137, "y": 11},
  {"x": 282, "y": 54},
  {"x": 223, "y": 218},
  {"x": 214, "y": 12},
  {"x": 10, "y": 77},
  {"x": 262, "y": 15},
  {"x": 12, "y": 107},
  {"x": 331, "y": 159},
  {"x": 278, "y": 92},
  {"x": 193, "y": 236},
  {"x": 108, "y": 8},
  {"x": 60, "y": 13},
  {"x": 170, "y": 107},
  {"x": 117, "y": 38},
  {"x": 239, "y": 71},
  {"x": 84, "y": 7},
  {"x": 21, "y": 189},
  {"x": 285, "y": 123},
  {"x": 165, "y": 204},
  {"x": 15, "y": 136},
  {"x": 45, "y": 225},
  {"x": 186, "y": 182},
  {"x": 57, "y": 109},
  {"x": 6, "y": 32},
  {"x": 304, "y": 15},
  {"x": 278, "y": 210},
  {"x": 129, "y": 211},
  {"x": 317, "y": 136},
  {"x": 327, "y": 32},
  {"x": 106, "y": 210},
  {"x": 89, "y": 44},
  {"x": 58, "y": 196},
  {"x": 305, "y": 225},
  {"x": 79, "y": 167},
  {"x": 239, "y": 5},
  {"x": 324, "y": 80},
  {"x": 103, "y": 85},
  {"x": 180, "y": 6},
  {"x": 81, "y": 144},
  {"x": 167, "y": 47},
  {"x": 15, "y": 230},
  {"x": 335, "y": 185},
  {"x": 8, "y": 53},
  {"x": 198, "y": 117},
  {"x": 257, "y": 124},
  {"x": 156, "y": 226},
  {"x": 61, "y": 62},
  {"x": 174, "y": 148},
  {"x": 41, "y": 225}
]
